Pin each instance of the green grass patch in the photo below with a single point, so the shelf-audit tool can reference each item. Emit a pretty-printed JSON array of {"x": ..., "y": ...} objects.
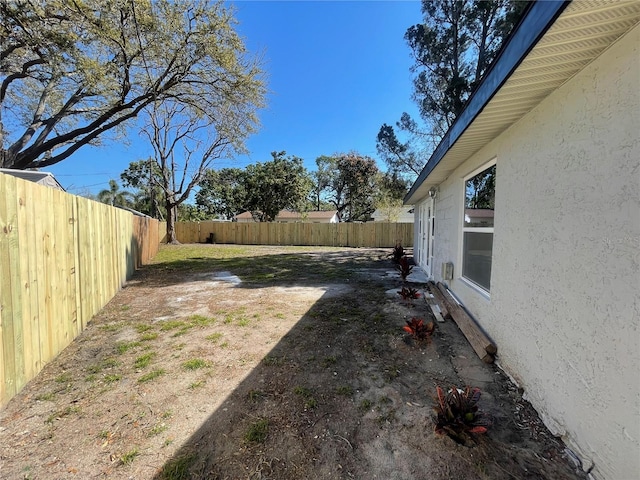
[
  {"x": 103, "y": 365},
  {"x": 214, "y": 337},
  {"x": 46, "y": 397},
  {"x": 124, "y": 347},
  {"x": 129, "y": 457},
  {"x": 143, "y": 361},
  {"x": 186, "y": 255},
  {"x": 251, "y": 265},
  {"x": 274, "y": 360},
  {"x": 183, "y": 326},
  {"x": 173, "y": 325},
  {"x": 63, "y": 378},
  {"x": 365, "y": 404},
  {"x": 386, "y": 417},
  {"x": 143, "y": 327},
  {"x": 194, "y": 364},
  {"x": 257, "y": 431},
  {"x": 111, "y": 327},
  {"x": 345, "y": 390},
  {"x": 302, "y": 391},
  {"x": 368, "y": 348},
  {"x": 158, "y": 429},
  {"x": 151, "y": 375},
  {"x": 255, "y": 395},
  {"x": 148, "y": 336},
  {"x": 177, "y": 468},
  {"x": 110, "y": 363},
  {"x": 328, "y": 362},
  {"x": 201, "y": 320},
  {"x": 62, "y": 413},
  {"x": 198, "y": 384},
  {"x": 307, "y": 394},
  {"x": 243, "y": 322},
  {"x": 238, "y": 316},
  {"x": 112, "y": 378}
]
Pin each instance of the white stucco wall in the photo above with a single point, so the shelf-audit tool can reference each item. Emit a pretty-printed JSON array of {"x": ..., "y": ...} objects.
[{"x": 564, "y": 307}]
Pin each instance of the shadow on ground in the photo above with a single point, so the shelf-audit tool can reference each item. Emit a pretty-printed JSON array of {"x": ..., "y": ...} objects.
[
  {"x": 229, "y": 362},
  {"x": 345, "y": 394}
]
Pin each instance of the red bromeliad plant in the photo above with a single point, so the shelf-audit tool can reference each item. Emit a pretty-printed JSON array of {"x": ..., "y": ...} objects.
[
  {"x": 398, "y": 253},
  {"x": 404, "y": 267},
  {"x": 418, "y": 329},
  {"x": 409, "y": 293},
  {"x": 457, "y": 413}
]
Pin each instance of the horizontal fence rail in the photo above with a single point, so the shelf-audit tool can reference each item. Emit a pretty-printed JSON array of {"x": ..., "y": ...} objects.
[
  {"x": 62, "y": 258},
  {"x": 370, "y": 234}
]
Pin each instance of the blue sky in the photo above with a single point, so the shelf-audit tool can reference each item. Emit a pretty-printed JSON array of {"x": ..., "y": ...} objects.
[{"x": 336, "y": 71}]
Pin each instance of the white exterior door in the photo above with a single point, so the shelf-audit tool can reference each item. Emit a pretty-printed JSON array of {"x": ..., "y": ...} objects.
[
  {"x": 431, "y": 221},
  {"x": 426, "y": 223},
  {"x": 419, "y": 242}
]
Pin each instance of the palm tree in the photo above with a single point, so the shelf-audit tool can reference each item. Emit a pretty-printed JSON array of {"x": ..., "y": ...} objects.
[{"x": 114, "y": 196}]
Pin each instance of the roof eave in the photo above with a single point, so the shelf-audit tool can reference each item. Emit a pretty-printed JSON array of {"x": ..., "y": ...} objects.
[{"x": 536, "y": 21}]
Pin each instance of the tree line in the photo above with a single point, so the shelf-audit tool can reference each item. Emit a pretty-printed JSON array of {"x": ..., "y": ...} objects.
[{"x": 349, "y": 182}]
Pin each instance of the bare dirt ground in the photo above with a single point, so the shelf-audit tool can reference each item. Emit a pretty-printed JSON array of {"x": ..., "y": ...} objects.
[{"x": 226, "y": 362}]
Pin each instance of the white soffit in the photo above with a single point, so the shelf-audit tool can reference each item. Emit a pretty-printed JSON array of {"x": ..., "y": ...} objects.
[{"x": 581, "y": 33}]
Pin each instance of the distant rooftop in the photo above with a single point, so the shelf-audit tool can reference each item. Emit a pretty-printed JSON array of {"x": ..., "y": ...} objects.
[
  {"x": 290, "y": 215},
  {"x": 41, "y": 178}
]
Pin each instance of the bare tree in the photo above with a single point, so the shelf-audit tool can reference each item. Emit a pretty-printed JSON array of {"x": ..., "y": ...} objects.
[{"x": 185, "y": 142}]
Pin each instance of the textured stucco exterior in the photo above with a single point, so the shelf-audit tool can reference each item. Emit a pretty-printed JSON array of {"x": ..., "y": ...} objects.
[{"x": 564, "y": 307}]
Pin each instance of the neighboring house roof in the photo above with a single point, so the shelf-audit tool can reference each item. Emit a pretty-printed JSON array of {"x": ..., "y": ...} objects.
[
  {"x": 244, "y": 215},
  {"x": 478, "y": 215},
  {"x": 41, "y": 178},
  {"x": 289, "y": 215},
  {"x": 553, "y": 41},
  {"x": 479, "y": 212}
]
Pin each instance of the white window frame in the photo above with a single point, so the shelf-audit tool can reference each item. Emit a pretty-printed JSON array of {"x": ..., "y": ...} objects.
[{"x": 486, "y": 293}]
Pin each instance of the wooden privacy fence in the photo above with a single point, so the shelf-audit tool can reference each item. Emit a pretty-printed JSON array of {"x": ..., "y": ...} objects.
[
  {"x": 371, "y": 234},
  {"x": 62, "y": 258}
]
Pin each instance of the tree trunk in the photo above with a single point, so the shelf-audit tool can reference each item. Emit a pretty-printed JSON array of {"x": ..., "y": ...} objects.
[{"x": 171, "y": 223}]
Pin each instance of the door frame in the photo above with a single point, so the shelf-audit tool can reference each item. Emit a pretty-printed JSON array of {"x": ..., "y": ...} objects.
[
  {"x": 431, "y": 223},
  {"x": 426, "y": 226}
]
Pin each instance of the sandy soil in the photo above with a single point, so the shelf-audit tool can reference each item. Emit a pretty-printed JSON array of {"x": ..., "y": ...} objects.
[{"x": 266, "y": 363}]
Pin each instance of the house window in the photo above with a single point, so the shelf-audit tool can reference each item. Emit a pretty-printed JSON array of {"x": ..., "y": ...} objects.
[{"x": 477, "y": 228}]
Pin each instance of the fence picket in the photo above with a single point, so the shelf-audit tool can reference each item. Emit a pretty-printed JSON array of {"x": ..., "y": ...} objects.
[
  {"x": 62, "y": 258},
  {"x": 10, "y": 308},
  {"x": 371, "y": 234}
]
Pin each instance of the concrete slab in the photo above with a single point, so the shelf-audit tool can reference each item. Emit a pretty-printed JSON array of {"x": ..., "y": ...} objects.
[{"x": 417, "y": 276}]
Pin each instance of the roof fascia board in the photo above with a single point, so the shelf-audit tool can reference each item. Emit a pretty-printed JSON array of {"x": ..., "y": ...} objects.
[{"x": 537, "y": 20}]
